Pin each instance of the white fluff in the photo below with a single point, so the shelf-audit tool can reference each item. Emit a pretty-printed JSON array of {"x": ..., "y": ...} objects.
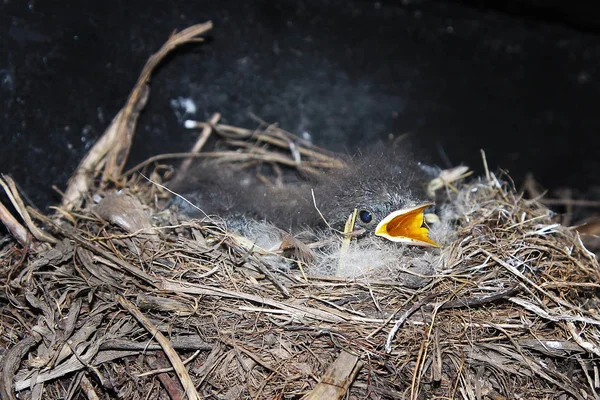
[
  {"x": 373, "y": 257},
  {"x": 263, "y": 235},
  {"x": 368, "y": 257}
]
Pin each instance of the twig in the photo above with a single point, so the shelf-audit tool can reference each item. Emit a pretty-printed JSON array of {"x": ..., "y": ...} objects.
[
  {"x": 88, "y": 389},
  {"x": 348, "y": 228},
  {"x": 118, "y": 154},
  {"x": 296, "y": 310},
  {"x": 15, "y": 198},
  {"x": 485, "y": 165},
  {"x": 178, "y": 365},
  {"x": 169, "y": 369},
  {"x": 17, "y": 230},
  {"x": 111, "y": 150},
  {"x": 334, "y": 384},
  {"x": 402, "y": 319},
  {"x": 202, "y": 139}
]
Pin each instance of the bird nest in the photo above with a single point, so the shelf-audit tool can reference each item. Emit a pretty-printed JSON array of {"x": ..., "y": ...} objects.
[{"x": 116, "y": 295}]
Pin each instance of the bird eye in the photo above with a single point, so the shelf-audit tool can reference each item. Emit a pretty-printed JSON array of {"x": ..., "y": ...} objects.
[{"x": 365, "y": 216}]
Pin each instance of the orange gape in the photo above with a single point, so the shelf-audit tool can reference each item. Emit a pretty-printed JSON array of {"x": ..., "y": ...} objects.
[{"x": 406, "y": 226}]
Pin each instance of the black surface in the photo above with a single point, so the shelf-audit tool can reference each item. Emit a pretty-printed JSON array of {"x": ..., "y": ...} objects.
[{"x": 460, "y": 77}]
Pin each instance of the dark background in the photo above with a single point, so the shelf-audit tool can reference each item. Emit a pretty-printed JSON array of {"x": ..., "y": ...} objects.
[{"x": 516, "y": 78}]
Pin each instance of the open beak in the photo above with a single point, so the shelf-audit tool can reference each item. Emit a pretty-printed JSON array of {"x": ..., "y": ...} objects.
[{"x": 406, "y": 226}]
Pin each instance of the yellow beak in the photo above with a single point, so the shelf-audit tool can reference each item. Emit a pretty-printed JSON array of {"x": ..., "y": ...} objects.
[{"x": 406, "y": 226}]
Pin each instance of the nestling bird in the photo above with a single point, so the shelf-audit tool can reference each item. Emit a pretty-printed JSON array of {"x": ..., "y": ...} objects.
[{"x": 386, "y": 187}]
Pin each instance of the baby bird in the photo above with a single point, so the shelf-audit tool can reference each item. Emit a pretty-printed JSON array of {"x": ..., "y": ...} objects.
[{"x": 386, "y": 188}]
